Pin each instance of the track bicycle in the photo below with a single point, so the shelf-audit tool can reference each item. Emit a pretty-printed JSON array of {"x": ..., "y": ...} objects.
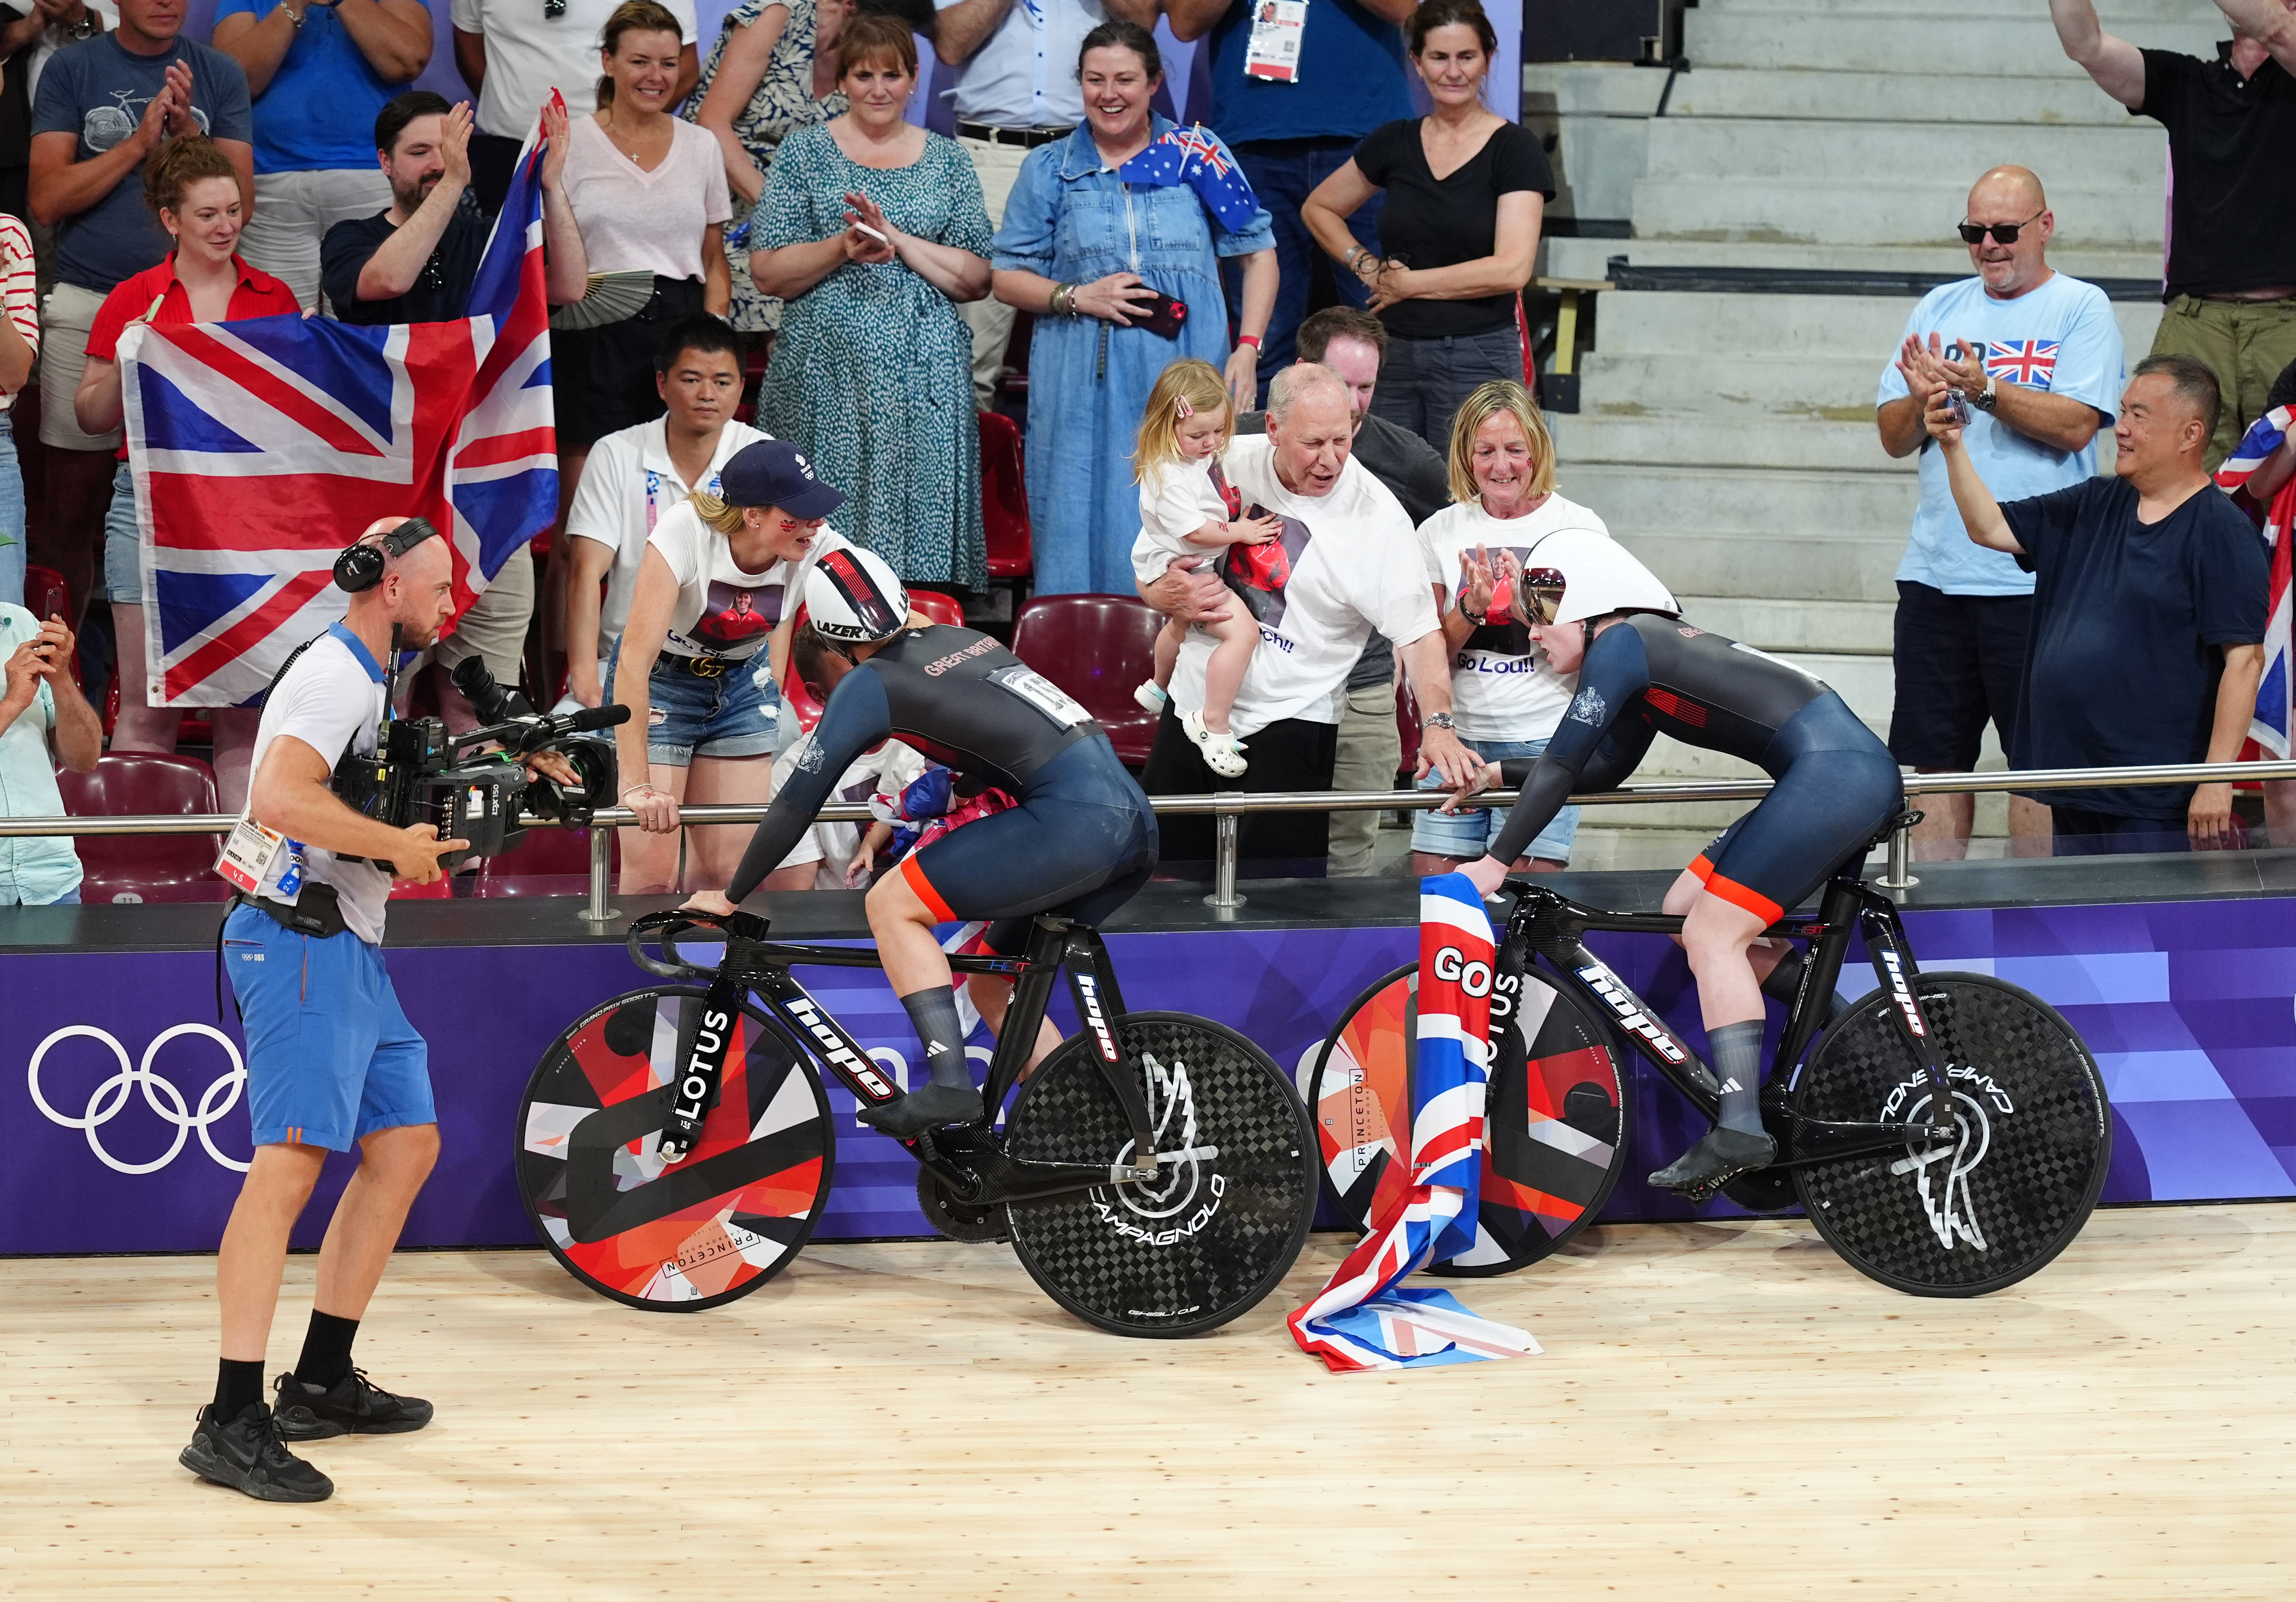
[
  {"x": 1156, "y": 1174},
  {"x": 1949, "y": 1135}
]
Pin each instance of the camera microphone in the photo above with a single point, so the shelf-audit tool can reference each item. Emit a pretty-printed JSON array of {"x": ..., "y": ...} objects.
[{"x": 590, "y": 719}]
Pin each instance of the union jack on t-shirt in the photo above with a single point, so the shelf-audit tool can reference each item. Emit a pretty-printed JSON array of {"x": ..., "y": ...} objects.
[
  {"x": 2033, "y": 363},
  {"x": 260, "y": 448}
]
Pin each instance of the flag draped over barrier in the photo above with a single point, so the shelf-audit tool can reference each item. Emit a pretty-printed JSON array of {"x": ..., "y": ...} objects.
[
  {"x": 2275, "y": 692},
  {"x": 260, "y": 449},
  {"x": 1363, "y": 1319}
]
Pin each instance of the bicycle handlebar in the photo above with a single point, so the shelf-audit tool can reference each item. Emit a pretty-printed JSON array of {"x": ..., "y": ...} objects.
[{"x": 672, "y": 965}]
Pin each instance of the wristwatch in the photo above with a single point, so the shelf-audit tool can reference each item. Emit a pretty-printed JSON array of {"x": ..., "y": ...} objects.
[
  {"x": 87, "y": 25},
  {"x": 1991, "y": 397},
  {"x": 1437, "y": 720}
]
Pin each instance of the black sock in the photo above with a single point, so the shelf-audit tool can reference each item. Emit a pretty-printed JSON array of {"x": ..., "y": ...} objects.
[
  {"x": 326, "y": 1350},
  {"x": 237, "y": 1385},
  {"x": 1738, "y": 1062},
  {"x": 934, "y": 1014},
  {"x": 1785, "y": 979}
]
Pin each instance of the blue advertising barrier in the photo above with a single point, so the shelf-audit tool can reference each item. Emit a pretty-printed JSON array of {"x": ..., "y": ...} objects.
[{"x": 127, "y": 1131}]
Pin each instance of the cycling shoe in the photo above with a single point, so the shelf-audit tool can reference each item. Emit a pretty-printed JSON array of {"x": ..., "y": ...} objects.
[
  {"x": 1720, "y": 1157},
  {"x": 927, "y": 1107}
]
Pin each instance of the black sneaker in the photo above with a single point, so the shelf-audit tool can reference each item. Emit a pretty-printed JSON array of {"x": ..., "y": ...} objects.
[
  {"x": 927, "y": 1107},
  {"x": 1714, "y": 1162},
  {"x": 354, "y": 1406},
  {"x": 247, "y": 1455}
]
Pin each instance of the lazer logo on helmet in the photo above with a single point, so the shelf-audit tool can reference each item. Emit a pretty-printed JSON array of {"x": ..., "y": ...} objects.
[
  {"x": 837, "y": 1050},
  {"x": 872, "y": 611},
  {"x": 1087, "y": 989},
  {"x": 1631, "y": 1017},
  {"x": 1894, "y": 966}
]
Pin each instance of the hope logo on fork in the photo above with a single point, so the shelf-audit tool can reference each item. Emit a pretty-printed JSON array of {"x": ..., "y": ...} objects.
[{"x": 1941, "y": 1172}]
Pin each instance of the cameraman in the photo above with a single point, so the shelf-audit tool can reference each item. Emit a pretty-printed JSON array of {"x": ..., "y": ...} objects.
[{"x": 330, "y": 1057}]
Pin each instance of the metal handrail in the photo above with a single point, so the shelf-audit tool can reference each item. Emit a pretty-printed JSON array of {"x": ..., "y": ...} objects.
[{"x": 1226, "y": 806}]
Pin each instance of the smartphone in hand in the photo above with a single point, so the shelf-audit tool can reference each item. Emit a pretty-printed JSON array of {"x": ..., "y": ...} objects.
[{"x": 1162, "y": 316}]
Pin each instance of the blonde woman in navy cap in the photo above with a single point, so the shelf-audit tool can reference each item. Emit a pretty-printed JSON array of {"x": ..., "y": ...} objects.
[{"x": 699, "y": 663}]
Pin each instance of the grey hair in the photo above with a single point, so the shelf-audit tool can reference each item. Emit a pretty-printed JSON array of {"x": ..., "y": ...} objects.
[{"x": 1298, "y": 381}]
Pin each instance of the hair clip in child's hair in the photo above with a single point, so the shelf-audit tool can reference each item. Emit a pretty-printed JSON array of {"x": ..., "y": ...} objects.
[{"x": 1181, "y": 407}]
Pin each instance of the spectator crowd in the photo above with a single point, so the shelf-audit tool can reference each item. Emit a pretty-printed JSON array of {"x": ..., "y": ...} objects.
[{"x": 1274, "y": 371}]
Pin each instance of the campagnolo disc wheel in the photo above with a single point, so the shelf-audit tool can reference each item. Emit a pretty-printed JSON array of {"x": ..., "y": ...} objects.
[
  {"x": 1229, "y": 1210},
  {"x": 714, "y": 1227},
  {"x": 1963, "y": 1216},
  {"x": 1555, "y": 1119}
]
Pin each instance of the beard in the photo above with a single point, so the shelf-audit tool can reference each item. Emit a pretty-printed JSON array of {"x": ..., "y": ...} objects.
[{"x": 410, "y": 200}]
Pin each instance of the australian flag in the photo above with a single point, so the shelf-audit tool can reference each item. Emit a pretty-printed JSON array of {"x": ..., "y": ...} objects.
[
  {"x": 1362, "y": 1319},
  {"x": 2275, "y": 694},
  {"x": 1194, "y": 156},
  {"x": 260, "y": 448}
]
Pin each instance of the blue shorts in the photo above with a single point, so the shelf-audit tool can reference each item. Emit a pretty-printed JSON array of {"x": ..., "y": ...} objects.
[
  {"x": 1468, "y": 833},
  {"x": 123, "y": 547},
  {"x": 732, "y": 713},
  {"x": 330, "y": 1058}
]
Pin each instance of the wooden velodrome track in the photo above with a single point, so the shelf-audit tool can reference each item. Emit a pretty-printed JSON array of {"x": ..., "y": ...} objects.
[{"x": 1720, "y": 1410}]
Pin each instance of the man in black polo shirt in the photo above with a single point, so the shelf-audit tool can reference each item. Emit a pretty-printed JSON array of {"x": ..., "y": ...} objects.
[
  {"x": 2231, "y": 288},
  {"x": 416, "y": 262},
  {"x": 2148, "y": 616}
]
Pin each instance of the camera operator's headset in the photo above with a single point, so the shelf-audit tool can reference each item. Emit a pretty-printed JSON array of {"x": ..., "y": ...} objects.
[{"x": 361, "y": 566}]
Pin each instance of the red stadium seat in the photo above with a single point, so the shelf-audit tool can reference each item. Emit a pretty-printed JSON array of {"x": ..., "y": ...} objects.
[
  {"x": 548, "y": 862},
  {"x": 938, "y": 607},
  {"x": 145, "y": 867},
  {"x": 1004, "y": 497},
  {"x": 1098, "y": 648}
]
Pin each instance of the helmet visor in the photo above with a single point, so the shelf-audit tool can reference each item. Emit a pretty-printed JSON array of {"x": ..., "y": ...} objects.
[{"x": 1542, "y": 595}]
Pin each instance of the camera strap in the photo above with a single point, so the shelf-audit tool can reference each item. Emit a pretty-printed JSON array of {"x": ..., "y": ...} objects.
[{"x": 704, "y": 1039}]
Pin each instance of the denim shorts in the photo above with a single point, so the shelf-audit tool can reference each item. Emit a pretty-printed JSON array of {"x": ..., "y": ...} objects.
[
  {"x": 123, "y": 547},
  {"x": 330, "y": 1057},
  {"x": 1468, "y": 833},
  {"x": 736, "y": 713}
]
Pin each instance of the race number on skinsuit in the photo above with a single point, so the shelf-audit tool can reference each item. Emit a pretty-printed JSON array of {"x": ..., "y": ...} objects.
[
  {"x": 1273, "y": 52},
  {"x": 1042, "y": 694}
]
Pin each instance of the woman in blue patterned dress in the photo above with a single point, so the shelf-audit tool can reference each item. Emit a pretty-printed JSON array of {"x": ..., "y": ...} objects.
[
  {"x": 872, "y": 230},
  {"x": 773, "y": 71},
  {"x": 1081, "y": 248}
]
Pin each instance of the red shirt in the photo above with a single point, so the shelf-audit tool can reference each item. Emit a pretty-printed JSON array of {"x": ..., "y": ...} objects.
[{"x": 154, "y": 296}]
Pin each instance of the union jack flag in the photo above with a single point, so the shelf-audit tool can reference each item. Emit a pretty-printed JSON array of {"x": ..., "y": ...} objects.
[
  {"x": 2033, "y": 363},
  {"x": 1196, "y": 158},
  {"x": 1363, "y": 1319},
  {"x": 2269, "y": 728},
  {"x": 260, "y": 448}
]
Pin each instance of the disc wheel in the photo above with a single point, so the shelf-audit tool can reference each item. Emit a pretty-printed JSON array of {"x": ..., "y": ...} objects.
[
  {"x": 1964, "y": 1217},
  {"x": 1554, "y": 1118},
  {"x": 671, "y": 1238},
  {"x": 1229, "y": 1210}
]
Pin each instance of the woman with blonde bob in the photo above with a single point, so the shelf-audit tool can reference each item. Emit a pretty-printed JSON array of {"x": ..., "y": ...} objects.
[
  {"x": 1507, "y": 696},
  {"x": 699, "y": 661}
]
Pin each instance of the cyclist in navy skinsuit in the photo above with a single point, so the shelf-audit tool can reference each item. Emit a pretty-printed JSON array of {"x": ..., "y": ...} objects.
[
  {"x": 1081, "y": 841},
  {"x": 1642, "y": 671}
]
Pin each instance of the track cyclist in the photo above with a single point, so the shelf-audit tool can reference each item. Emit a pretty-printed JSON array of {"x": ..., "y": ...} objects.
[
  {"x": 1598, "y": 612},
  {"x": 1081, "y": 841}
]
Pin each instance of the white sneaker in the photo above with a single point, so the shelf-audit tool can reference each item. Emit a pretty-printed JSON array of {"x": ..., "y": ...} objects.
[
  {"x": 1151, "y": 696},
  {"x": 1223, "y": 753}
]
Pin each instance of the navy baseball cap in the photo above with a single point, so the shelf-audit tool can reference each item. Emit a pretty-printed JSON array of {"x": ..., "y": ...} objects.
[{"x": 774, "y": 473}]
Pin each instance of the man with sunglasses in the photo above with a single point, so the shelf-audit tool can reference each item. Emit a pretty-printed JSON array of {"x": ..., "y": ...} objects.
[
  {"x": 2230, "y": 289},
  {"x": 2037, "y": 357}
]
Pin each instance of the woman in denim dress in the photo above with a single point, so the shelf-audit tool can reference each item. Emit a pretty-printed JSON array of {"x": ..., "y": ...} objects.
[{"x": 1082, "y": 249}]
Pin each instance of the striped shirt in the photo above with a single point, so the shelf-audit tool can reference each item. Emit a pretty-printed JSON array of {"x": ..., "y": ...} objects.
[{"x": 16, "y": 287}]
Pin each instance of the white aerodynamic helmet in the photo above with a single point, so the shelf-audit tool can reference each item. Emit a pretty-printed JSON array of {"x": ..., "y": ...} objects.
[
  {"x": 1573, "y": 574},
  {"x": 853, "y": 595}
]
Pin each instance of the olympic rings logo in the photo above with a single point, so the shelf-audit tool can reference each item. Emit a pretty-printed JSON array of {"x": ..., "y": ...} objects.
[{"x": 106, "y": 1101}]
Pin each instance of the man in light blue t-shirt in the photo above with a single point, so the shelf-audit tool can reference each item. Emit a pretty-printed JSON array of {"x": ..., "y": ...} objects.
[
  {"x": 319, "y": 71},
  {"x": 2037, "y": 356}
]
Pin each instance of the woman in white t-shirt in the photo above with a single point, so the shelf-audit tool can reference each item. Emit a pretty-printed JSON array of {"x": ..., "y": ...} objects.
[
  {"x": 648, "y": 192},
  {"x": 699, "y": 659},
  {"x": 1506, "y": 697}
]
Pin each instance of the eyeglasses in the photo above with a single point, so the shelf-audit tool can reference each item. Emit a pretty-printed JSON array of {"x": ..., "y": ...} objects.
[{"x": 2005, "y": 233}]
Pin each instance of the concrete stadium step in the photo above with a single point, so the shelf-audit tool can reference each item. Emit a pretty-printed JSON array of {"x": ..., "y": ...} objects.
[
  {"x": 1777, "y": 440},
  {"x": 1745, "y": 148},
  {"x": 2020, "y": 45},
  {"x": 1665, "y": 384},
  {"x": 2060, "y": 99},
  {"x": 1639, "y": 498},
  {"x": 1791, "y": 628},
  {"x": 1780, "y": 210},
  {"x": 1635, "y": 322},
  {"x": 1588, "y": 258},
  {"x": 2198, "y": 12},
  {"x": 1818, "y": 568}
]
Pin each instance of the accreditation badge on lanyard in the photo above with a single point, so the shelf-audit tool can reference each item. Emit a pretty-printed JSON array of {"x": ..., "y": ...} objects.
[{"x": 1273, "y": 53}]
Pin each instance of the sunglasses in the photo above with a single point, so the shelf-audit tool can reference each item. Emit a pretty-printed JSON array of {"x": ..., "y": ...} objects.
[
  {"x": 1542, "y": 595},
  {"x": 2005, "y": 233}
]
